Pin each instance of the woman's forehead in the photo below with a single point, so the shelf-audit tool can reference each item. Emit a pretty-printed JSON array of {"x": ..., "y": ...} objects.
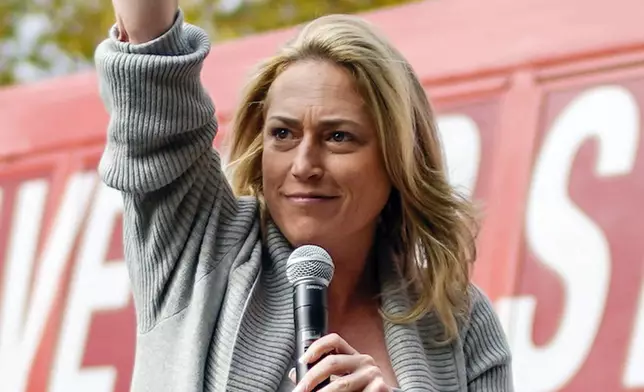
[{"x": 315, "y": 85}]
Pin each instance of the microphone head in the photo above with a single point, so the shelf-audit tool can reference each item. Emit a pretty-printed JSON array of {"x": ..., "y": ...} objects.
[{"x": 310, "y": 262}]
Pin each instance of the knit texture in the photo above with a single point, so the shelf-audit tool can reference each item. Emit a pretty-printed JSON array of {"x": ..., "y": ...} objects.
[{"x": 213, "y": 305}]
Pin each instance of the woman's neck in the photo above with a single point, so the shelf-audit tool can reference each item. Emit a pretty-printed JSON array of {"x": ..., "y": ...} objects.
[{"x": 354, "y": 280}]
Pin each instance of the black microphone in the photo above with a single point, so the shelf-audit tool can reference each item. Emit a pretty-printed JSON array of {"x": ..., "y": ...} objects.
[{"x": 310, "y": 270}]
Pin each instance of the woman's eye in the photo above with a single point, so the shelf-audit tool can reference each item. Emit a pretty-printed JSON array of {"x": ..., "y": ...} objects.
[
  {"x": 339, "y": 137},
  {"x": 280, "y": 133}
]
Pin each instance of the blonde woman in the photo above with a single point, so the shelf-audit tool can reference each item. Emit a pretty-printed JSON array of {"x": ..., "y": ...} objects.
[{"x": 334, "y": 144}]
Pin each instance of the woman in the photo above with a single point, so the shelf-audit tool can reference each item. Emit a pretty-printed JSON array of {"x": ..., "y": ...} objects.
[{"x": 334, "y": 144}]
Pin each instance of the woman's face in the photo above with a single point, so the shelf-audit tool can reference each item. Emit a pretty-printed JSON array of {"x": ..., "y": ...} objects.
[{"x": 323, "y": 173}]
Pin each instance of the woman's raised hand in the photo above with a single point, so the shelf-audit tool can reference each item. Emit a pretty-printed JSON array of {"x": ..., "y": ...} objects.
[{"x": 141, "y": 21}]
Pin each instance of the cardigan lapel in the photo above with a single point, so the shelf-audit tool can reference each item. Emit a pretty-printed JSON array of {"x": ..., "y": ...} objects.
[
  {"x": 419, "y": 364},
  {"x": 265, "y": 346}
]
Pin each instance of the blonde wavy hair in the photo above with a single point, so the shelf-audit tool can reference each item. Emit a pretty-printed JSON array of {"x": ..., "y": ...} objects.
[{"x": 430, "y": 227}]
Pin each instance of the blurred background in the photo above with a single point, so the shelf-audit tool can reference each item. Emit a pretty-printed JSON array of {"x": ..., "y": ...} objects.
[
  {"x": 44, "y": 38},
  {"x": 539, "y": 105}
]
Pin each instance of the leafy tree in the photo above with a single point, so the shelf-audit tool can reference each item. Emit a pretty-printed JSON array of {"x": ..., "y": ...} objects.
[{"x": 69, "y": 30}]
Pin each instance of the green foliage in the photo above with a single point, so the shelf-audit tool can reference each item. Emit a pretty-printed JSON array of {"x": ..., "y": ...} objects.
[
  {"x": 75, "y": 27},
  {"x": 7, "y": 29}
]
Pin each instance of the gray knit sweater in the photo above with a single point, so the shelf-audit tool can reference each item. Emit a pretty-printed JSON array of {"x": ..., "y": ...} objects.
[{"x": 213, "y": 305}]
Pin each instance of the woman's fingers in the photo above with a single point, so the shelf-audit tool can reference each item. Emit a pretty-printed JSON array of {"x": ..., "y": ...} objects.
[
  {"x": 331, "y": 343},
  {"x": 347, "y": 369},
  {"x": 336, "y": 365},
  {"x": 365, "y": 379}
]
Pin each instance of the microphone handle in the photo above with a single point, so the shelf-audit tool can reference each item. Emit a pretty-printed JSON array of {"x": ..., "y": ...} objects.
[{"x": 310, "y": 311}]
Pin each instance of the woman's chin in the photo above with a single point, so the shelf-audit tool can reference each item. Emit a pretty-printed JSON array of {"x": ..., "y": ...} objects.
[
  {"x": 298, "y": 236},
  {"x": 300, "y": 240}
]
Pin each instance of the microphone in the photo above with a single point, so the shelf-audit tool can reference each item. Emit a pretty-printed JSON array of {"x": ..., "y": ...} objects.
[{"x": 310, "y": 270}]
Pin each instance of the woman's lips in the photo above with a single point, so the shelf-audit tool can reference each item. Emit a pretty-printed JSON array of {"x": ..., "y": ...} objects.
[{"x": 309, "y": 198}]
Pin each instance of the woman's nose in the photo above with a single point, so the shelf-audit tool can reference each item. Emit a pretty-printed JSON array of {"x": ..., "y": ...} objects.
[{"x": 307, "y": 162}]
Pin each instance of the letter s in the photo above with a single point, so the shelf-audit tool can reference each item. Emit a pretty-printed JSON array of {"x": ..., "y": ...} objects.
[{"x": 568, "y": 241}]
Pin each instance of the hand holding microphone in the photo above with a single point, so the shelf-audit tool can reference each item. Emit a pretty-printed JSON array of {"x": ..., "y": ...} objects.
[{"x": 326, "y": 362}]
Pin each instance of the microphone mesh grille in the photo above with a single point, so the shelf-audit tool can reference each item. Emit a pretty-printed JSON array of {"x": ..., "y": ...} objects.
[{"x": 310, "y": 261}]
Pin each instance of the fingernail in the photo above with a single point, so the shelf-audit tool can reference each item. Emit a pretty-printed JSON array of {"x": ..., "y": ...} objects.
[
  {"x": 303, "y": 359},
  {"x": 291, "y": 375}
]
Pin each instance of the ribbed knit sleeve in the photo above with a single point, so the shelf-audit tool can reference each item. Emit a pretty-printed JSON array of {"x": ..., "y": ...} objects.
[
  {"x": 159, "y": 154},
  {"x": 487, "y": 354}
]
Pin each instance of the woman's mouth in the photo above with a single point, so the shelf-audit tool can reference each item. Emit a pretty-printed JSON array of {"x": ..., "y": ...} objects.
[{"x": 309, "y": 198}]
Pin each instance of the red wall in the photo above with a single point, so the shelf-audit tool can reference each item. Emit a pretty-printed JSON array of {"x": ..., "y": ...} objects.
[{"x": 541, "y": 108}]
